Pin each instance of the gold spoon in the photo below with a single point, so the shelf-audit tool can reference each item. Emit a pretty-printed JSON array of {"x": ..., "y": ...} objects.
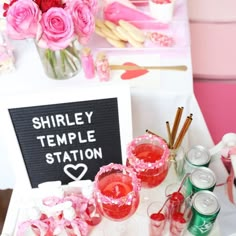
[{"x": 127, "y": 67}]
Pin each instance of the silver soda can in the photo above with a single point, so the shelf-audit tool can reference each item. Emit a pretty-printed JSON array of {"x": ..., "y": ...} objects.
[
  {"x": 197, "y": 156},
  {"x": 205, "y": 208}
]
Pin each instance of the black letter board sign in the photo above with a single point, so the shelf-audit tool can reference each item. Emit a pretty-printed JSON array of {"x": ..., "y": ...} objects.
[{"x": 68, "y": 141}]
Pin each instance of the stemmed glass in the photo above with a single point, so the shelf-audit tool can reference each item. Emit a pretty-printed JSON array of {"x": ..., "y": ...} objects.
[
  {"x": 116, "y": 192},
  {"x": 148, "y": 156}
]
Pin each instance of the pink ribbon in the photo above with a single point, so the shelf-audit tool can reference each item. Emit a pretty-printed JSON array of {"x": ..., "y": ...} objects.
[
  {"x": 51, "y": 226},
  {"x": 38, "y": 227},
  {"x": 230, "y": 180},
  {"x": 51, "y": 201},
  {"x": 79, "y": 203},
  {"x": 57, "y": 224}
]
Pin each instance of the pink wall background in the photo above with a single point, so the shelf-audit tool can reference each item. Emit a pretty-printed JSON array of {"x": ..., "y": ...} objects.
[
  {"x": 214, "y": 50},
  {"x": 212, "y": 10},
  {"x": 217, "y": 101},
  {"x": 213, "y": 45}
]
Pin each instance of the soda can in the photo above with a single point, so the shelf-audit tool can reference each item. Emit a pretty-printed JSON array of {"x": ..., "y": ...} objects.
[
  {"x": 205, "y": 208},
  {"x": 202, "y": 178},
  {"x": 197, "y": 156}
]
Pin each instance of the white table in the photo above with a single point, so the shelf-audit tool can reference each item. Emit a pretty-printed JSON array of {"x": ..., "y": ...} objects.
[
  {"x": 151, "y": 106},
  {"x": 137, "y": 225}
]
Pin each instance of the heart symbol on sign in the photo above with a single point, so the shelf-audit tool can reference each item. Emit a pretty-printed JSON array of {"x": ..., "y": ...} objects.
[
  {"x": 75, "y": 167},
  {"x": 131, "y": 74}
]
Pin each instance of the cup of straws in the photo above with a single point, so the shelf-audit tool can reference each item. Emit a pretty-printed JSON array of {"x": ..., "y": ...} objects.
[
  {"x": 175, "y": 139},
  {"x": 174, "y": 142}
]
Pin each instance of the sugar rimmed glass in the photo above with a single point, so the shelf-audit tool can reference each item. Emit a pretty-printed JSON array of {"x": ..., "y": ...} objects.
[
  {"x": 148, "y": 156},
  {"x": 116, "y": 191}
]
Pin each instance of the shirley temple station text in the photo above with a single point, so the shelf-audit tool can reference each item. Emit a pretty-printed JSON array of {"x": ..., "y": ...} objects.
[{"x": 67, "y": 138}]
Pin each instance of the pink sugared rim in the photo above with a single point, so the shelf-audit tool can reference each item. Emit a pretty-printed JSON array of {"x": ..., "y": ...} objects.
[
  {"x": 141, "y": 165},
  {"x": 125, "y": 200}
]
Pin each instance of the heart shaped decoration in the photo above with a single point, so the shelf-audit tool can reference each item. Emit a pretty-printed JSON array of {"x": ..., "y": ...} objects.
[
  {"x": 75, "y": 168},
  {"x": 131, "y": 74}
]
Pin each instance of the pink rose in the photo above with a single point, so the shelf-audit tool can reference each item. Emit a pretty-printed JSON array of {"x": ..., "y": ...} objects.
[
  {"x": 83, "y": 19},
  {"x": 93, "y": 5},
  {"x": 57, "y": 29},
  {"x": 22, "y": 19}
]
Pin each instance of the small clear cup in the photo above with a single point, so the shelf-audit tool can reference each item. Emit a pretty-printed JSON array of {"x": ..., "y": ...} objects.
[
  {"x": 162, "y": 10},
  {"x": 180, "y": 219},
  {"x": 157, "y": 216}
]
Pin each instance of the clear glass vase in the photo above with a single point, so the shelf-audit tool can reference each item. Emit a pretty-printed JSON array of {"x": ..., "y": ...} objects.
[{"x": 61, "y": 64}]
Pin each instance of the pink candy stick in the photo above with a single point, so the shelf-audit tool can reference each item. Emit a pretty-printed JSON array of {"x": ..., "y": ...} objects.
[{"x": 117, "y": 11}]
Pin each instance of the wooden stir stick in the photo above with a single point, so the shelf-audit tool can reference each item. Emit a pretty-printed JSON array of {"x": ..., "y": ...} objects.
[{"x": 133, "y": 67}]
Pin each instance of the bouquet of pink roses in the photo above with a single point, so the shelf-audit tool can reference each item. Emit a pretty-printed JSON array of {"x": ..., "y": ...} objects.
[{"x": 57, "y": 26}]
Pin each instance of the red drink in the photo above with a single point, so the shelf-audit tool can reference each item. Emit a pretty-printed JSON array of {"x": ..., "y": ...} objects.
[
  {"x": 117, "y": 193},
  {"x": 180, "y": 213},
  {"x": 116, "y": 185},
  {"x": 175, "y": 203},
  {"x": 148, "y": 152},
  {"x": 178, "y": 224},
  {"x": 157, "y": 224},
  {"x": 148, "y": 156},
  {"x": 157, "y": 213}
]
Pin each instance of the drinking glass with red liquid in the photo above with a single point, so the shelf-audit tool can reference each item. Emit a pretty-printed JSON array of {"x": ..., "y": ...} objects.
[
  {"x": 179, "y": 208},
  {"x": 157, "y": 215},
  {"x": 180, "y": 218},
  {"x": 116, "y": 191},
  {"x": 148, "y": 156}
]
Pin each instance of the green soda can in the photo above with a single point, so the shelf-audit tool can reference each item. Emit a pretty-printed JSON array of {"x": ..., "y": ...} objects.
[
  {"x": 202, "y": 178},
  {"x": 205, "y": 208},
  {"x": 197, "y": 156}
]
